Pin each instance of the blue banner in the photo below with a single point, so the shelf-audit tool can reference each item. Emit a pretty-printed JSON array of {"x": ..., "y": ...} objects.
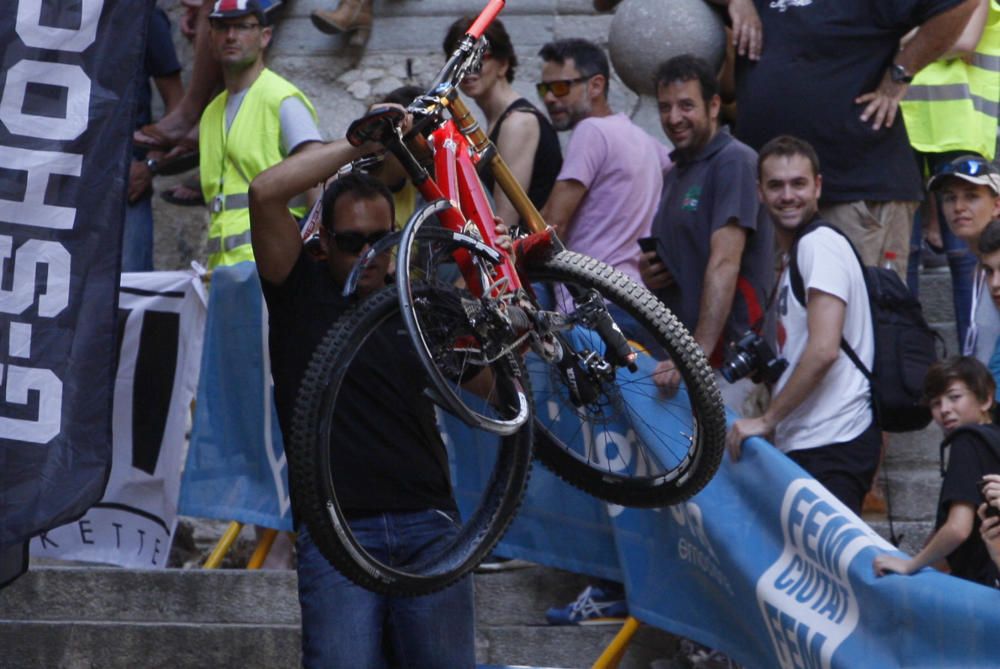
[
  {"x": 763, "y": 564},
  {"x": 236, "y": 467},
  {"x": 67, "y": 87}
]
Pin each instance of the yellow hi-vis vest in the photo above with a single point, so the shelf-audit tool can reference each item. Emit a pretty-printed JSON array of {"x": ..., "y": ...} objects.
[
  {"x": 953, "y": 105},
  {"x": 230, "y": 161}
]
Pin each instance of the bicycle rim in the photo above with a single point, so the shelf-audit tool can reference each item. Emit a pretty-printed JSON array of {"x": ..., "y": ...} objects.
[
  {"x": 311, "y": 463},
  {"x": 628, "y": 443},
  {"x": 444, "y": 335}
]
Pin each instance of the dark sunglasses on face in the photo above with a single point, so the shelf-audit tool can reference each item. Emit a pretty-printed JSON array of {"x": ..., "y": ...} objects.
[
  {"x": 353, "y": 242},
  {"x": 559, "y": 88}
]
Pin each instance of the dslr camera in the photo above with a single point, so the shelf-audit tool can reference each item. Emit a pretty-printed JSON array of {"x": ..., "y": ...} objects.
[{"x": 752, "y": 356}]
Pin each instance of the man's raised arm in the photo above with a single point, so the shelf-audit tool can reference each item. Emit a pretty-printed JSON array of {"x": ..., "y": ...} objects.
[{"x": 274, "y": 231}]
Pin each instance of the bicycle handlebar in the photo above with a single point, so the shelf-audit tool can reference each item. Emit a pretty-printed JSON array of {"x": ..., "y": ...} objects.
[{"x": 485, "y": 18}]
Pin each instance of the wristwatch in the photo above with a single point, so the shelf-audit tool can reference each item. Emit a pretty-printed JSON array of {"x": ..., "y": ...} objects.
[
  {"x": 899, "y": 74},
  {"x": 151, "y": 165}
]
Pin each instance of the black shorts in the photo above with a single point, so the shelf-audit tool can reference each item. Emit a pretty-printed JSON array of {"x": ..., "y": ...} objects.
[{"x": 846, "y": 469}]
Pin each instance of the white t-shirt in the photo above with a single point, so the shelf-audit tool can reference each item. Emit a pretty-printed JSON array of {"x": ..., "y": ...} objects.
[{"x": 838, "y": 408}]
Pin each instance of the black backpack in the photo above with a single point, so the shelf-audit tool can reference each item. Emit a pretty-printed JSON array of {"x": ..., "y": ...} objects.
[{"x": 905, "y": 345}]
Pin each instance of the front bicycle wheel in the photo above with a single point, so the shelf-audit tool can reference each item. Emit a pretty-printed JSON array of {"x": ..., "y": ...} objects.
[
  {"x": 333, "y": 381},
  {"x": 608, "y": 430}
]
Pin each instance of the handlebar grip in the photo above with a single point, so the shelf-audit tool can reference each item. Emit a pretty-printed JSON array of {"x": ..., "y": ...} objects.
[{"x": 485, "y": 18}]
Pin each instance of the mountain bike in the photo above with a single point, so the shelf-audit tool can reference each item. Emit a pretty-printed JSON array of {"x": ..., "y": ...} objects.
[{"x": 560, "y": 345}]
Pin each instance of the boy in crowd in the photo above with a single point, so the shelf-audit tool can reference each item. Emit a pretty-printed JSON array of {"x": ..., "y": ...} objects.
[{"x": 960, "y": 393}]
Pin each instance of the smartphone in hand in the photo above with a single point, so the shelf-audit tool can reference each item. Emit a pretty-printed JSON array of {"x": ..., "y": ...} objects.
[{"x": 649, "y": 245}]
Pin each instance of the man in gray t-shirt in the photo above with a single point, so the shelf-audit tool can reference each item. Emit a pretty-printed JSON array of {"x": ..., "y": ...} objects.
[{"x": 713, "y": 264}]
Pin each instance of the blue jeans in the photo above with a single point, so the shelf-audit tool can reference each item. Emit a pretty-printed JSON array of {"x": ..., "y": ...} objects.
[
  {"x": 137, "y": 239},
  {"x": 344, "y": 625}
]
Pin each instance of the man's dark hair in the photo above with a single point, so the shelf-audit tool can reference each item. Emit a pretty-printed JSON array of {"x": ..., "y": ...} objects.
[
  {"x": 588, "y": 58},
  {"x": 989, "y": 241},
  {"x": 687, "y": 67},
  {"x": 360, "y": 185},
  {"x": 403, "y": 95},
  {"x": 499, "y": 42},
  {"x": 964, "y": 368},
  {"x": 786, "y": 146}
]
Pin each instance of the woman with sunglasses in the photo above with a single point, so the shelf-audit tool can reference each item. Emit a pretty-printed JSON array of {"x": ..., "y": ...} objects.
[{"x": 521, "y": 132}]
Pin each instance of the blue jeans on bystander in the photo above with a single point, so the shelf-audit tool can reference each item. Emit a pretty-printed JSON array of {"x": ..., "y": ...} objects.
[
  {"x": 345, "y": 625},
  {"x": 137, "y": 237}
]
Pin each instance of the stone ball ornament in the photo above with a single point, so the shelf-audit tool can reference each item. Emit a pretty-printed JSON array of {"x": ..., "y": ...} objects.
[{"x": 644, "y": 33}]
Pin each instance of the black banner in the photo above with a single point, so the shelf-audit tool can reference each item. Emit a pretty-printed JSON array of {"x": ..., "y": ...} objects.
[{"x": 67, "y": 85}]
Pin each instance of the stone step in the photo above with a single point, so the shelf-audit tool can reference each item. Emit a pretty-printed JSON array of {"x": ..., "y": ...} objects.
[
  {"x": 108, "y": 617},
  {"x": 87, "y": 645},
  {"x": 936, "y": 297}
]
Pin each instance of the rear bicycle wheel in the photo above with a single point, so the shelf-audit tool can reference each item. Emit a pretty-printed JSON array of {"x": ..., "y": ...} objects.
[
  {"x": 337, "y": 367},
  {"x": 610, "y": 431},
  {"x": 471, "y": 332}
]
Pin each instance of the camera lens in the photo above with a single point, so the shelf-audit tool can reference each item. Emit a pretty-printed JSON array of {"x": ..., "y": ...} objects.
[{"x": 737, "y": 367}]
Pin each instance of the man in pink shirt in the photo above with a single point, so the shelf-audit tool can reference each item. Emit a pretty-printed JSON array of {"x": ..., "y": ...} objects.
[{"x": 608, "y": 189}]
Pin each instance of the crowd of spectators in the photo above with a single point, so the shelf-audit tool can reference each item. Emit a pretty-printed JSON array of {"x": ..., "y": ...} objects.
[{"x": 819, "y": 159}]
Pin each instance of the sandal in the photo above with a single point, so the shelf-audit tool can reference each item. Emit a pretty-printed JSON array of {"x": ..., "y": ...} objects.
[{"x": 185, "y": 194}]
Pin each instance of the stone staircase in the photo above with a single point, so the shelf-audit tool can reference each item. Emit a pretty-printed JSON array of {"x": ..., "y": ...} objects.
[{"x": 87, "y": 617}]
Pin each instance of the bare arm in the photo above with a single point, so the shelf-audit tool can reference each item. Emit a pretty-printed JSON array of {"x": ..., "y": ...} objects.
[
  {"x": 931, "y": 41},
  {"x": 972, "y": 33},
  {"x": 274, "y": 231},
  {"x": 748, "y": 31},
  {"x": 563, "y": 202},
  {"x": 948, "y": 537},
  {"x": 171, "y": 89},
  {"x": 825, "y": 323},
  {"x": 517, "y": 144},
  {"x": 719, "y": 284}
]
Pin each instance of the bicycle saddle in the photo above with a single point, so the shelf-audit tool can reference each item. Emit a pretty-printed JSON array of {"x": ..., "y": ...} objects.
[{"x": 377, "y": 125}]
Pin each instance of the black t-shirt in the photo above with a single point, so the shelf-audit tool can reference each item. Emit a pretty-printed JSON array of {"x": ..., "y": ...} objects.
[
  {"x": 548, "y": 155},
  {"x": 387, "y": 452},
  {"x": 818, "y": 56},
  {"x": 969, "y": 459}
]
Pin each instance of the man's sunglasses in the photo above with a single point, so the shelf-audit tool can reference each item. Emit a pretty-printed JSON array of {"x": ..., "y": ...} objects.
[
  {"x": 353, "y": 242},
  {"x": 559, "y": 88}
]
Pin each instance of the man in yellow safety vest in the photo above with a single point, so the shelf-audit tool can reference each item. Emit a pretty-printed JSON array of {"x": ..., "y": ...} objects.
[{"x": 259, "y": 119}]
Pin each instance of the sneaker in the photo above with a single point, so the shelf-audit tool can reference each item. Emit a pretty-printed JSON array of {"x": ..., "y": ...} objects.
[{"x": 592, "y": 607}]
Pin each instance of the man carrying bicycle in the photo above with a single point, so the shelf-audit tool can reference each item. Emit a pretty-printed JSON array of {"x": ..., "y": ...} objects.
[{"x": 391, "y": 473}]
